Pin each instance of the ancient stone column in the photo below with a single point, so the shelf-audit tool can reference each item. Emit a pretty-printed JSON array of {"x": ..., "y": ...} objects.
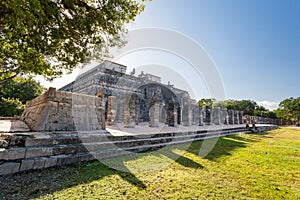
[
  {"x": 175, "y": 118},
  {"x": 236, "y": 117},
  {"x": 171, "y": 114},
  {"x": 100, "y": 94},
  {"x": 224, "y": 116},
  {"x": 162, "y": 115},
  {"x": 241, "y": 117},
  {"x": 100, "y": 109},
  {"x": 208, "y": 115},
  {"x": 111, "y": 110},
  {"x": 216, "y": 116},
  {"x": 201, "y": 118},
  {"x": 137, "y": 111},
  {"x": 120, "y": 109},
  {"x": 230, "y": 117},
  {"x": 153, "y": 112},
  {"x": 129, "y": 111},
  {"x": 186, "y": 114},
  {"x": 196, "y": 115}
]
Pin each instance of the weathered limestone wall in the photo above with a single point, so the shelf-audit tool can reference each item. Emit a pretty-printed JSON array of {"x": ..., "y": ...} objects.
[{"x": 64, "y": 111}]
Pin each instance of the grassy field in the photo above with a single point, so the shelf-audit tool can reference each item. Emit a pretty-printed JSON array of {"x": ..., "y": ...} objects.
[{"x": 244, "y": 166}]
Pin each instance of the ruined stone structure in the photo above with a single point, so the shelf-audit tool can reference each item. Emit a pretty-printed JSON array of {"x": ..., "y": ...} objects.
[
  {"x": 129, "y": 99},
  {"x": 74, "y": 120},
  {"x": 64, "y": 111},
  {"x": 106, "y": 95}
]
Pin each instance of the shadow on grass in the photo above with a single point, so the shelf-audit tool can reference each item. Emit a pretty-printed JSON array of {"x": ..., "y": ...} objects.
[
  {"x": 38, "y": 183},
  {"x": 182, "y": 160},
  {"x": 225, "y": 145}
]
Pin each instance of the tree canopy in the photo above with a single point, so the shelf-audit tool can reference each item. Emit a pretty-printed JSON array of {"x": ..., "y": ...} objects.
[
  {"x": 15, "y": 92},
  {"x": 289, "y": 109},
  {"x": 205, "y": 102},
  {"x": 50, "y": 37}
]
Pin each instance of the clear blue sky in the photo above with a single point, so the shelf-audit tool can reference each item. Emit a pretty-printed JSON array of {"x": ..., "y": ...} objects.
[{"x": 254, "y": 43}]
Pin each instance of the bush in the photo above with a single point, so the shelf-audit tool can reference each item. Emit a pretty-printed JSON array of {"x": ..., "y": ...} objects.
[{"x": 10, "y": 107}]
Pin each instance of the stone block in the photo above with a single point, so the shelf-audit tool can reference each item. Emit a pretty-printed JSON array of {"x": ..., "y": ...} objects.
[
  {"x": 3, "y": 154},
  {"x": 38, "y": 151},
  {"x": 61, "y": 159},
  {"x": 9, "y": 168},
  {"x": 16, "y": 153},
  {"x": 84, "y": 157},
  {"x": 39, "y": 142},
  {"x": 27, "y": 164},
  {"x": 71, "y": 159},
  {"x": 50, "y": 162},
  {"x": 39, "y": 163},
  {"x": 58, "y": 150}
]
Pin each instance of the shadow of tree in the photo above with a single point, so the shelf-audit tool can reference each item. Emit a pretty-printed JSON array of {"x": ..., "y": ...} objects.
[
  {"x": 182, "y": 160},
  {"x": 225, "y": 145},
  {"x": 36, "y": 183},
  {"x": 33, "y": 184}
]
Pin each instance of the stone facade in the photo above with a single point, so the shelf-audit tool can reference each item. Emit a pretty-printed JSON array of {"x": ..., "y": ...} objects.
[
  {"x": 106, "y": 95},
  {"x": 110, "y": 78},
  {"x": 64, "y": 111}
]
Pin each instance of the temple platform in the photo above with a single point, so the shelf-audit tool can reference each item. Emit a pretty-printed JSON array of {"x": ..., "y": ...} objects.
[{"x": 22, "y": 150}]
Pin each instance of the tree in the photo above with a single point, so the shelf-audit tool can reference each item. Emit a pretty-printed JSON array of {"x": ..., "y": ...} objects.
[
  {"x": 15, "y": 92},
  {"x": 205, "y": 102},
  {"x": 50, "y": 37},
  {"x": 289, "y": 109},
  {"x": 247, "y": 106},
  {"x": 10, "y": 107}
]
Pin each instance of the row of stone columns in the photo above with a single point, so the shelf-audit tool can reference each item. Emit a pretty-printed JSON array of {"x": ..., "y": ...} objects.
[
  {"x": 219, "y": 116},
  {"x": 259, "y": 120},
  {"x": 190, "y": 114},
  {"x": 195, "y": 115}
]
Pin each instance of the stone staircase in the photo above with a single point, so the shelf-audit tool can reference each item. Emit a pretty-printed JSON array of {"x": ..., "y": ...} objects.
[{"x": 37, "y": 150}]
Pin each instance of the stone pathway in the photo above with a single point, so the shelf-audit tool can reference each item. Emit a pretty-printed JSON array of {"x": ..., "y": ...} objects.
[
  {"x": 13, "y": 126},
  {"x": 144, "y": 129}
]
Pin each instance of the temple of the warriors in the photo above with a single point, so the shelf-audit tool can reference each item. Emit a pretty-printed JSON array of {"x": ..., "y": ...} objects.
[
  {"x": 80, "y": 121},
  {"x": 105, "y": 95}
]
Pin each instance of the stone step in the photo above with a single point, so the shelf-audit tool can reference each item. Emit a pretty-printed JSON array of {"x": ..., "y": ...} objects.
[
  {"x": 58, "y": 149},
  {"x": 18, "y": 159},
  {"x": 41, "y": 162},
  {"x": 61, "y": 138}
]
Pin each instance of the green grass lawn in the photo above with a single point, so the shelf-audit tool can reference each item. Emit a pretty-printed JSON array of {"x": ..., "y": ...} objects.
[{"x": 244, "y": 166}]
